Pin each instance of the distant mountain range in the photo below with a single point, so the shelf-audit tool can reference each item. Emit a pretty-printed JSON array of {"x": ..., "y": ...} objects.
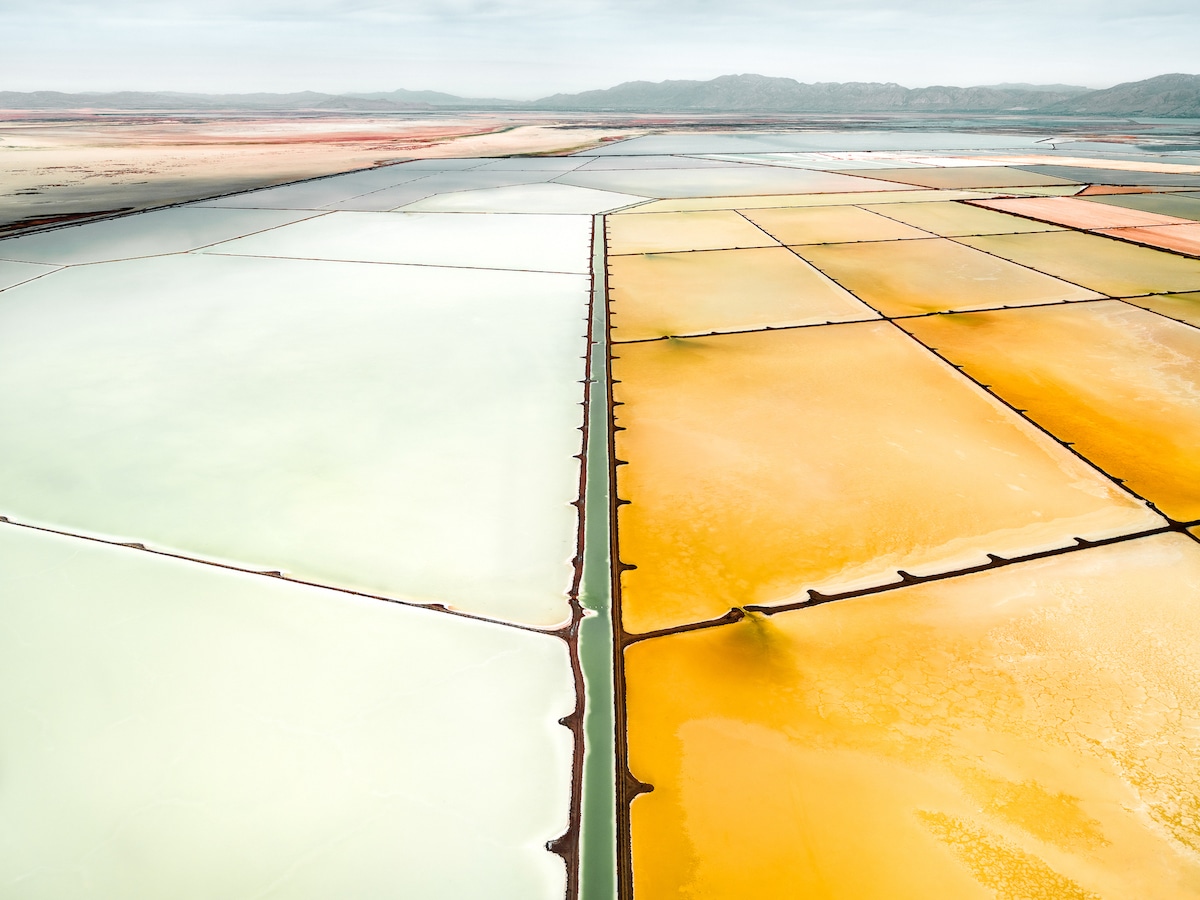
[
  {"x": 763, "y": 94},
  {"x": 1166, "y": 95}
]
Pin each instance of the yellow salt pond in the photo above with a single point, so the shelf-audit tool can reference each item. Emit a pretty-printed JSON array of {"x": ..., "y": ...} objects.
[
  {"x": 1102, "y": 264},
  {"x": 1025, "y": 732},
  {"x": 1119, "y": 383},
  {"x": 661, "y": 294},
  {"x": 958, "y": 219},
  {"x": 830, "y": 225},
  {"x": 920, "y": 276},
  {"x": 713, "y": 230},
  {"x": 1184, "y": 307},
  {"x": 764, "y": 464}
]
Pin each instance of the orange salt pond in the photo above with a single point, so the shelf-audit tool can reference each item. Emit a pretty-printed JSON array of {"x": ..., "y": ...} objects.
[
  {"x": 1102, "y": 264},
  {"x": 761, "y": 465},
  {"x": 1120, "y": 383},
  {"x": 1164, "y": 204},
  {"x": 1094, "y": 190},
  {"x": 722, "y": 290},
  {"x": 1077, "y": 213},
  {"x": 913, "y": 277},
  {"x": 1026, "y": 732},
  {"x": 1180, "y": 238}
]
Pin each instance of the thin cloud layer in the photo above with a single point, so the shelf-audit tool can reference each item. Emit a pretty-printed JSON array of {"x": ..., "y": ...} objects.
[{"x": 528, "y": 48}]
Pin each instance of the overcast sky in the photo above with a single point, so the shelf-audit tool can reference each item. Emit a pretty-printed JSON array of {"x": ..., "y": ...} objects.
[{"x": 528, "y": 48}]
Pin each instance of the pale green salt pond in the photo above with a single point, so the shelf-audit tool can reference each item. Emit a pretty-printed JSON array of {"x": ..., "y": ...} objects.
[
  {"x": 409, "y": 431},
  {"x": 173, "y": 729}
]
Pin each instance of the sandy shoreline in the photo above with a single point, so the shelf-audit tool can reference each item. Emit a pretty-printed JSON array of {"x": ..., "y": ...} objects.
[{"x": 61, "y": 167}]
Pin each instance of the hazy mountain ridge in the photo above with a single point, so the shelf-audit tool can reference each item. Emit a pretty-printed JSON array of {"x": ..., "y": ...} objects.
[
  {"x": 432, "y": 98},
  {"x": 761, "y": 93},
  {"x": 1165, "y": 95}
]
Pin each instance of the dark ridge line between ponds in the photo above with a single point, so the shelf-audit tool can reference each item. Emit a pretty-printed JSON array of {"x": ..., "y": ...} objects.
[
  {"x": 728, "y": 197},
  {"x": 1094, "y": 232},
  {"x": 816, "y": 598},
  {"x": 108, "y": 215},
  {"x": 1062, "y": 228},
  {"x": 72, "y": 219},
  {"x": 792, "y": 248},
  {"x": 374, "y": 262},
  {"x": 316, "y": 214},
  {"x": 779, "y": 243},
  {"x": 1128, "y": 240},
  {"x": 53, "y": 269},
  {"x": 1024, "y": 414},
  {"x": 688, "y": 335},
  {"x": 272, "y": 187},
  {"x": 403, "y": 207},
  {"x": 561, "y": 631},
  {"x": 1128, "y": 301},
  {"x": 882, "y": 318}
]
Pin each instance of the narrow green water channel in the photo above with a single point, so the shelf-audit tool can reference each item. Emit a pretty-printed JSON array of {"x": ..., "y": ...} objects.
[{"x": 598, "y": 840}]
